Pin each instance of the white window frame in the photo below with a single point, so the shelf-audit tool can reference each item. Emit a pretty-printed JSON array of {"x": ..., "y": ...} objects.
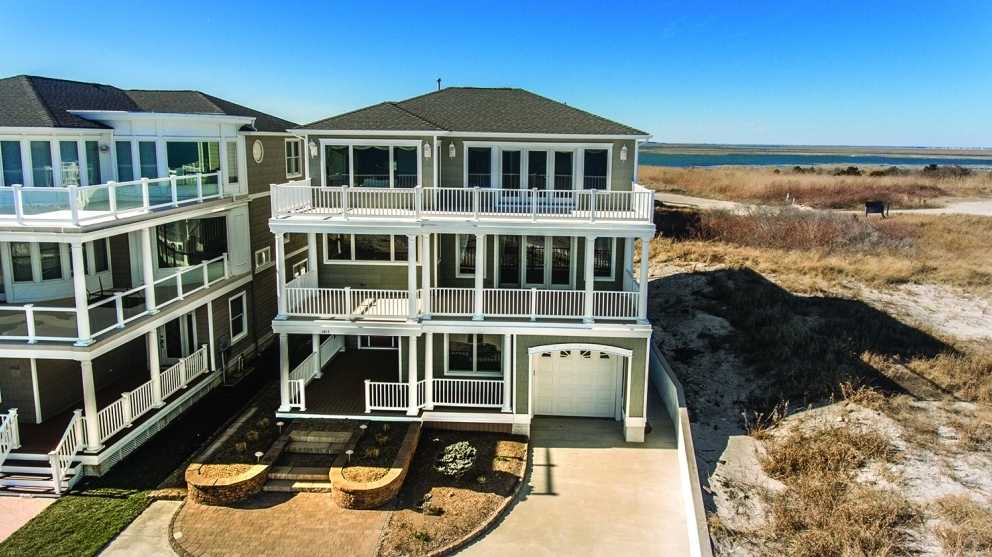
[
  {"x": 352, "y": 143},
  {"x": 298, "y": 157},
  {"x": 613, "y": 262},
  {"x": 299, "y": 268},
  {"x": 244, "y": 316},
  {"x": 448, "y": 372},
  {"x": 578, "y": 160},
  {"x": 458, "y": 254},
  {"x": 266, "y": 256},
  {"x": 65, "y": 255},
  {"x": 392, "y": 253},
  {"x": 363, "y": 343}
]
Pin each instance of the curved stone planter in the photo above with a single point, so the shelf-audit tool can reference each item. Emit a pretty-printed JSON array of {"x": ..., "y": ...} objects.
[
  {"x": 225, "y": 490},
  {"x": 348, "y": 494}
]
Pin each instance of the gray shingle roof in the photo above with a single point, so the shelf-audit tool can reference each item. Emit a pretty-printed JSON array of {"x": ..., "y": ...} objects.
[
  {"x": 473, "y": 109},
  {"x": 31, "y": 101}
]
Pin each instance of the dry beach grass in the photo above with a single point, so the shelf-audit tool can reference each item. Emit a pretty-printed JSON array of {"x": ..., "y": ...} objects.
[{"x": 822, "y": 190}]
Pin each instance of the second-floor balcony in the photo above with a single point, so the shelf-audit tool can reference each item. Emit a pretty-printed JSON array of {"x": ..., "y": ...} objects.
[
  {"x": 301, "y": 200},
  {"x": 94, "y": 204}
]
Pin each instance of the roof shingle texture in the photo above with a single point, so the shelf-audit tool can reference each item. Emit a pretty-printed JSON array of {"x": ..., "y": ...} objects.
[
  {"x": 30, "y": 101},
  {"x": 472, "y": 109}
]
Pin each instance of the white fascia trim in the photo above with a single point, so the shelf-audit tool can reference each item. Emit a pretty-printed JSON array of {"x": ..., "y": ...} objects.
[
  {"x": 112, "y": 114},
  {"x": 625, "y": 352},
  {"x": 550, "y": 135},
  {"x": 403, "y": 328},
  {"x": 443, "y": 225},
  {"x": 469, "y": 417},
  {"x": 370, "y": 133},
  {"x": 538, "y": 145},
  {"x": 362, "y": 417},
  {"x": 269, "y": 134}
]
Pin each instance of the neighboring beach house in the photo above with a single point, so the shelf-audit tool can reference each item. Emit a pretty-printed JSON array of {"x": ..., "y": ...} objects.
[
  {"x": 471, "y": 261},
  {"x": 136, "y": 265}
]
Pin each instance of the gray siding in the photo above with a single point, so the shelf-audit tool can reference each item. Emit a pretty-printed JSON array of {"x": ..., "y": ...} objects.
[
  {"x": 16, "y": 389},
  {"x": 272, "y": 169}
]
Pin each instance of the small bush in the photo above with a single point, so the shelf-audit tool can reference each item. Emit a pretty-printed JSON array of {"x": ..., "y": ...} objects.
[
  {"x": 263, "y": 423},
  {"x": 382, "y": 438},
  {"x": 428, "y": 508},
  {"x": 371, "y": 453},
  {"x": 837, "y": 449},
  {"x": 422, "y": 536},
  {"x": 966, "y": 528},
  {"x": 457, "y": 459},
  {"x": 252, "y": 436},
  {"x": 241, "y": 447},
  {"x": 849, "y": 171}
]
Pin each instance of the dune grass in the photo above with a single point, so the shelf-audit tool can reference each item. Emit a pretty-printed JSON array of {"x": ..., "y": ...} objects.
[{"x": 822, "y": 190}]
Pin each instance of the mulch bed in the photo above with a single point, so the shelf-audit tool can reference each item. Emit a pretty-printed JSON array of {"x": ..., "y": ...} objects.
[
  {"x": 255, "y": 434},
  {"x": 375, "y": 451},
  {"x": 459, "y": 506}
]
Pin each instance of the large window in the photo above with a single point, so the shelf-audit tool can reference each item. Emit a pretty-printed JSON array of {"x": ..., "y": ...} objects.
[
  {"x": 371, "y": 166},
  {"x": 185, "y": 243},
  {"x": 41, "y": 164},
  {"x": 594, "y": 169},
  {"x": 473, "y": 354},
  {"x": 10, "y": 163},
  {"x": 69, "y": 153},
  {"x": 239, "y": 316},
  {"x": 20, "y": 254},
  {"x": 51, "y": 260},
  {"x": 232, "y": 162},
  {"x": 480, "y": 165},
  {"x": 466, "y": 256},
  {"x": 148, "y": 159},
  {"x": 405, "y": 167},
  {"x": 294, "y": 158},
  {"x": 537, "y": 169},
  {"x": 603, "y": 262},
  {"x": 510, "y": 170},
  {"x": 125, "y": 165},
  {"x": 365, "y": 248},
  {"x": 563, "y": 170},
  {"x": 336, "y": 166},
  {"x": 93, "y": 162}
]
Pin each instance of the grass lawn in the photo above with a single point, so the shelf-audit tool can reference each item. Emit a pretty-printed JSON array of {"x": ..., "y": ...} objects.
[{"x": 82, "y": 523}]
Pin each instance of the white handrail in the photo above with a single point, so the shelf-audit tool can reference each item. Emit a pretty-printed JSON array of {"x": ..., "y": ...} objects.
[
  {"x": 297, "y": 394},
  {"x": 347, "y": 303},
  {"x": 69, "y": 445},
  {"x": 83, "y": 204},
  {"x": 382, "y": 395},
  {"x": 10, "y": 438},
  {"x": 636, "y": 205}
]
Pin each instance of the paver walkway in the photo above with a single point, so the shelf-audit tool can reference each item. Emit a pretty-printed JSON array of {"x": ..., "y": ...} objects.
[
  {"x": 301, "y": 525},
  {"x": 590, "y": 493},
  {"x": 16, "y": 511}
]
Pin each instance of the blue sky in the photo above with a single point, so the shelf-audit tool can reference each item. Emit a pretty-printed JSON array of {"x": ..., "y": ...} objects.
[{"x": 796, "y": 72}]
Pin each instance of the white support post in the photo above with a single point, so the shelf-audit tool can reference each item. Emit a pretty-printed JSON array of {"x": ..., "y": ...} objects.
[
  {"x": 425, "y": 276},
  {"x": 315, "y": 348},
  {"x": 507, "y": 376},
  {"x": 480, "y": 272},
  {"x": 428, "y": 371},
  {"x": 312, "y": 253},
  {"x": 112, "y": 196},
  {"x": 411, "y": 276},
  {"x": 642, "y": 280},
  {"x": 15, "y": 439},
  {"x": 79, "y": 288},
  {"x": 174, "y": 189},
  {"x": 119, "y": 309},
  {"x": 147, "y": 272},
  {"x": 412, "y": 407},
  {"x": 590, "y": 244},
  {"x": 280, "y": 276},
  {"x": 19, "y": 203},
  {"x": 199, "y": 187},
  {"x": 90, "y": 410},
  {"x": 145, "y": 202},
  {"x": 283, "y": 372},
  {"x": 210, "y": 336},
  {"x": 154, "y": 367},
  {"x": 73, "y": 192},
  {"x": 29, "y": 319}
]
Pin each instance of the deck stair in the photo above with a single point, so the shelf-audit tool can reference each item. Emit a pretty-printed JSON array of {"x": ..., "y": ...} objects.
[
  {"x": 25, "y": 474},
  {"x": 305, "y": 464},
  {"x": 318, "y": 442}
]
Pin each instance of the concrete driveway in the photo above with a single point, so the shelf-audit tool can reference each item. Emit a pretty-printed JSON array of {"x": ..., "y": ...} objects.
[{"x": 590, "y": 493}]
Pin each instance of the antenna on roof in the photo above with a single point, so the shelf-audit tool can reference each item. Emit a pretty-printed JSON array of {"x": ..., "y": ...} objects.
[{"x": 439, "y": 84}]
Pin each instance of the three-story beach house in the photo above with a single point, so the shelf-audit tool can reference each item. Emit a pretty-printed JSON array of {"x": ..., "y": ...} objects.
[
  {"x": 136, "y": 261},
  {"x": 471, "y": 260}
]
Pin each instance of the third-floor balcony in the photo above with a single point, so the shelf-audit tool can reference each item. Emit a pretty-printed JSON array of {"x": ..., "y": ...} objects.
[{"x": 300, "y": 201}]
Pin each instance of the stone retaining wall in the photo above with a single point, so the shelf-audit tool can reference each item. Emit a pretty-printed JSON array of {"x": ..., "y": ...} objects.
[
  {"x": 359, "y": 495},
  {"x": 224, "y": 490}
]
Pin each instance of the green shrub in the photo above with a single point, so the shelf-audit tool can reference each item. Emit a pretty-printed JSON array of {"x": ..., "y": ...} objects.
[{"x": 457, "y": 459}]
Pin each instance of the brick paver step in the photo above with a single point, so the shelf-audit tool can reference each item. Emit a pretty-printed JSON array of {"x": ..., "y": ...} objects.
[
  {"x": 299, "y": 473},
  {"x": 310, "y": 447},
  {"x": 292, "y": 486},
  {"x": 320, "y": 436}
]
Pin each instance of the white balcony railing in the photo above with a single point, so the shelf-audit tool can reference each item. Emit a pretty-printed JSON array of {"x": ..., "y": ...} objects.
[
  {"x": 347, "y": 303},
  {"x": 299, "y": 197},
  {"x": 10, "y": 438},
  {"x": 33, "y": 323},
  {"x": 60, "y": 459},
  {"x": 81, "y": 205},
  {"x": 469, "y": 393}
]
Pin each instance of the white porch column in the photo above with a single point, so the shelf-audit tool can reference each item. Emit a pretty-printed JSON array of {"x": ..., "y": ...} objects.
[
  {"x": 425, "y": 276},
  {"x": 315, "y": 348},
  {"x": 280, "y": 277},
  {"x": 312, "y": 253},
  {"x": 283, "y": 372},
  {"x": 429, "y": 371},
  {"x": 210, "y": 334},
  {"x": 79, "y": 289},
  {"x": 411, "y": 275},
  {"x": 507, "y": 375},
  {"x": 147, "y": 272},
  {"x": 412, "y": 407},
  {"x": 642, "y": 280},
  {"x": 90, "y": 410},
  {"x": 480, "y": 272},
  {"x": 590, "y": 275},
  {"x": 154, "y": 367}
]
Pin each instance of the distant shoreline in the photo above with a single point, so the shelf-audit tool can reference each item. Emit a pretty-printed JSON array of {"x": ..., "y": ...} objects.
[{"x": 813, "y": 150}]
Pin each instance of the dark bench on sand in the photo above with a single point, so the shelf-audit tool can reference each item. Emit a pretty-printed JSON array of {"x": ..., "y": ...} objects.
[{"x": 876, "y": 207}]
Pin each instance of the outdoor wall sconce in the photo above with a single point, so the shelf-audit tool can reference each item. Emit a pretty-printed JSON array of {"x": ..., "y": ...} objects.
[
  {"x": 427, "y": 150},
  {"x": 623, "y": 153},
  {"x": 451, "y": 150},
  {"x": 313, "y": 149}
]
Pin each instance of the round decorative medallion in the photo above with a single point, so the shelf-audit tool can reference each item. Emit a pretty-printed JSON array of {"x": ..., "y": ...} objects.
[{"x": 257, "y": 151}]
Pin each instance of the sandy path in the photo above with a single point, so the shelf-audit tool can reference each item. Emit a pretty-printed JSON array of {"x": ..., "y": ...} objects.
[{"x": 970, "y": 207}]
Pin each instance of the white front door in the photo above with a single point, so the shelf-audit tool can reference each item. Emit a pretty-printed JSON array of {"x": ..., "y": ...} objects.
[{"x": 577, "y": 383}]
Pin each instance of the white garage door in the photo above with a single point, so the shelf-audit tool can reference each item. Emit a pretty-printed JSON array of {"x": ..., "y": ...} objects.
[{"x": 577, "y": 383}]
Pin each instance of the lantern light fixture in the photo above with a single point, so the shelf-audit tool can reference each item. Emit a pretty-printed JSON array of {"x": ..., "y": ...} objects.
[
  {"x": 623, "y": 153},
  {"x": 451, "y": 149},
  {"x": 427, "y": 150}
]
